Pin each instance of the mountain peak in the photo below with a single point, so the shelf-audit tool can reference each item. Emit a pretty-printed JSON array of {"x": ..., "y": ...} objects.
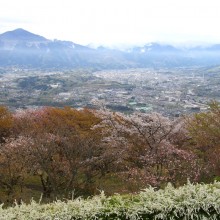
[{"x": 22, "y": 35}]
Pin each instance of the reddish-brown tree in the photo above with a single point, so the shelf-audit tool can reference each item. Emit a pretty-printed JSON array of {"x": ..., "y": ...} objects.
[
  {"x": 62, "y": 149},
  {"x": 6, "y": 123},
  {"x": 204, "y": 130}
]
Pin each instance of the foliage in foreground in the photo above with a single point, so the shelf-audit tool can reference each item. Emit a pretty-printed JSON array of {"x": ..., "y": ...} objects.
[{"x": 200, "y": 201}]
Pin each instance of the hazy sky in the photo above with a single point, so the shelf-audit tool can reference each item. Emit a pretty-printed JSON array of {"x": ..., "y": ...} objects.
[{"x": 115, "y": 21}]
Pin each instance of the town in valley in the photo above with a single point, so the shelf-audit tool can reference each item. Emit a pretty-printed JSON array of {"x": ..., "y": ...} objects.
[{"x": 169, "y": 91}]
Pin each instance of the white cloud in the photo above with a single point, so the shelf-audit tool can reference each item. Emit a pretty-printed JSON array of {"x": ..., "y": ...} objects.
[{"x": 115, "y": 21}]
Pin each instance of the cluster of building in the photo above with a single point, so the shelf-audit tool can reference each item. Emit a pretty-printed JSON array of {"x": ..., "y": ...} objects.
[{"x": 172, "y": 92}]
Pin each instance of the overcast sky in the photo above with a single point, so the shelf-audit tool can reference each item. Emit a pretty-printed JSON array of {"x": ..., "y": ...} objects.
[{"x": 115, "y": 21}]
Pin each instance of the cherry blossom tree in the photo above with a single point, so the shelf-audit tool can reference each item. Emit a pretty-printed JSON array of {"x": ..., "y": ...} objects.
[{"x": 145, "y": 147}]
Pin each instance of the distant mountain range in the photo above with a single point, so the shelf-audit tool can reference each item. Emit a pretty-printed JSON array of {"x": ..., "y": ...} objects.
[{"x": 20, "y": 48}]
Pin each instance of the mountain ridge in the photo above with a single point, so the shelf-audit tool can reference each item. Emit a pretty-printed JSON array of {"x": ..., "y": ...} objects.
[
  {"x": 21, "y": 34},
  {"x": 25, "y": 49}
]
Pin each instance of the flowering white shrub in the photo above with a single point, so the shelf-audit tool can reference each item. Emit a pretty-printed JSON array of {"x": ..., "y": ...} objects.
[{"x": 200, "y": 201}]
